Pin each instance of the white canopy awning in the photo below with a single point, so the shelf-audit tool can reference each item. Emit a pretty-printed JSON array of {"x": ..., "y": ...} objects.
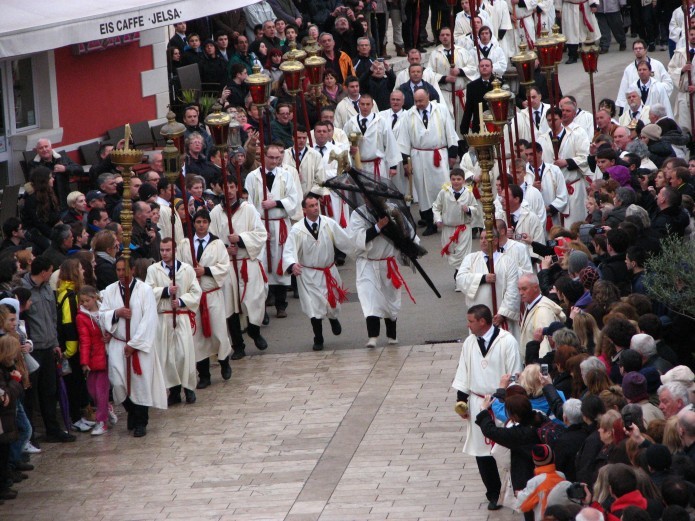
[{"x": 30, "y": 26}]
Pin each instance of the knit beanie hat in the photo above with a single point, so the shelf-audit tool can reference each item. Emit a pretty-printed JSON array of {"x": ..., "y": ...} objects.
[
  {"x": 542, "y": 455},
  {"x": 635, "y": 387},
  {"x": 588, "y": 276},
  {"x": 578, "y": 260}
]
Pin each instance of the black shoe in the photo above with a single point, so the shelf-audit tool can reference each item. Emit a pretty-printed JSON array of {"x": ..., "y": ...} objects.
[
  {"x": 130, "y": 423},
  {"x": 260, "y": 343},
  {"x": 570, "y": 61},
  {"x": 430, "y": 230},
  {"x": 139, "y": 431},
  {"x": 493, "y": 505},
  {"x": 295, "y": 294},
  {"x": 173, "y": 399},
  {"x": 203, "y": 383},
  {"x": 603, "y": 51},
  {"x": 336, "y": 328},
  {"x": 422, "y": 222},
  {"x": 318, "y": 346},
  {"x": 623, "y": 46},
  {"x": 8, "y": 493},
  {"x": 226, "y": 369},
  {"x": 238, "y": 355},
  {"x": 190, "y": 395},
  {"x": 23, "y": 467},
  {"x": 266, "y": 319},
  {"x": 17, "y": 476},
  {"x": 59, "y": 437},
  {"x": 651, "y": 47},
  {"x": 339, "y": 261}
]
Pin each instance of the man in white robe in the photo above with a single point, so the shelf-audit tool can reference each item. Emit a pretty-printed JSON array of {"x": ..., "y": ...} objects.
[
  {"x": 165, "y": 224},
  {"x": 465, "y": 18},
  {"x": 280, "y": 201},
  {"x": 311, "y": 172},
  {"x": 530, "y": 22},
  {"x": 635, "y": 110},
  {"x": 377, "y": 147},
  {"x": 428, "y": 136},
  {"x": 491, "y": 50},
  {"x": 476, "y": 283},
  {"x": 548, "y": 179},
  {"x": 331, "y": 204},
  {"x": 245, "y": 247},
  {"x": 525, "y": 226},
  {"x": 679, "y": 68},
  {"x": 630, "y": 75},
  {"x": 348, "y": 107},
  {"x": 395, "y": 116},
  {"x": 572, "y": 160},
  {"x": 134, "y": 370},
  {"x": 174, "y": 344},
  {"x": 378, "y": 280},
  {"x": 653, "y": 91},
  {"x": 212, "y": 269},
  {"x": 579, "y": 24},
  {"x": 310, "y": 256},
  {"x": 539, "y": 312},
  {"x": 454, "y": 210},
  {"x": 517, "y": 250},
  {"x": 487, "y": 354}
]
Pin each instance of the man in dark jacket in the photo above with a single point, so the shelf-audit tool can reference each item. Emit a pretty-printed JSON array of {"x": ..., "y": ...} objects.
[
  {"x": 145, "y": 237},
  {"x": 62, "y": 166},
  {"x": 287, "y": 11},
  {"x": 624, "y": 197},
  {"x": 416, "y": 81},
  {"x": 614, "y": 269},
  {"x": 232, "y": 23},
  {"x": 61, "y": 242},
  {"x": 571, "y": 440},
  {"x": 475, "y": 92},
  {"x": 671, "y": 219},
  {"x": 213, "y": 68},
  {"x": 380, "y": 82}
]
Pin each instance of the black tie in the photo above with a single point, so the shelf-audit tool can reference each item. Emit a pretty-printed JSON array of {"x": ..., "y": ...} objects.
[
  {"x": 363, "y": 125},
  {"x": 321, "y": 149},
  {"x": 538, "y": 118},
  {"x": 199, "y": 253},
  {"x": 514, "y": 221},
  {"x": 315, "y": 229},
  {"x": 634, "y": 115},
  {"x": 424, "y": 118},
  {"x": 395, "y": 120},
  {"x": 170, "y": 269},
  {"x": 354, "y": 104},
  {"x": 457, "y": 195},
  {"x": 485, "y": 50},
  {"x": 501, "y": 249},
  {"x": 270, "y": 179},
  {"x": 645, "y": 93},
  {"x": 481, "y": 344}
]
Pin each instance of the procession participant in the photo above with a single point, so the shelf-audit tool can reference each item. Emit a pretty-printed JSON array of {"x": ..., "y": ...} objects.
[
  {"x": 524, "y": 224},
  {"x": 457, "y": 68},
  {"x": 396, "y": 115},
  {"x": 518, "y": 251},
  {"x": 377, "y": 146},
  {"x": 331, "y": 204},
  {"x": 491, "y": 50},
  {"x": 530, "y": 17},
  {"x": 573, "y": 150},
  {"x": 453, "y": 211},
  {"x": 532, "y": 196},
  {"x": 581, "y": 117},
  {"x": 579, "y": 25},
  {"x": 539, "y": 109},
  {"x": 546, "y": 177},
  {"x": 280, "y": 202},
  {"x": 309, "y": 256},
  {"x": 246, "y": 244},
  {"x": 415, "y": 81},
  {"x": 429, "y": 138},
  {"x": 539, "y": 312},
  {"x": 348, "y": 107},
  {"x": 475, "y": 92},
  {"x": 464, "y": 20},
  {"x": 378, "y": 281},
  {"x": 134, "y": 369},
  {"x": 500, "y": 23},
  {"x": 311, "y": 173},
  {"x": 636, "y": 110},
  {"x": 652, "y": 90},
  {"x": 430, "y": 76},
  {"x": 630, "y": 74},
  {"x": 212, "y": 271},
  {"x": 476, "y": 282},
  {"x": 174, "y": 343},
  {"x": 337, "y": 136},
  {"x": 680, "y": 69},
  {"x": 487, "y": 354}
]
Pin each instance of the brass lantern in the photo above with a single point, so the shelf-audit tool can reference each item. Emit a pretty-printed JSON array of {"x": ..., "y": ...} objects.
[
  {"x": 546, "y": 47},
  {"x": 292, "y": 72},
  {"x": 560, "y": 40},
  {"x": 498, "y": 101},
  {"x": 314, "y": 69},
  {"x": 511, "y": 79},
  {"x": 525, "y": 63},
  {"x": 294, "y": 54},
  {"x": 173, "y": 130},
  {"x": 589, "y": 53},
  {"x": 172, "y": 161},
  {"x": 218, "y": 123},
  {"x": 234, "y": 133},
  {"x": 259, "y": 86}
]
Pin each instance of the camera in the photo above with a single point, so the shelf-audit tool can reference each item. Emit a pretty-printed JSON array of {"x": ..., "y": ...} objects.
[
  {"x": 148, "y": 224},
  {"x": 555, "y": 258},
  {"x": 551, "y": 244},
  {"x": 628, "y": 420},
  {"x": 576, "y": 491},
  {"x": 544, "y": 369},
  {"x": 598, "y": 230},
  {"x": 513, "y": 378}
]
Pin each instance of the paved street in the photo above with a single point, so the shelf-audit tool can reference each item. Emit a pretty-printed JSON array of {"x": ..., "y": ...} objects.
[{"x": 348, "y": 433}]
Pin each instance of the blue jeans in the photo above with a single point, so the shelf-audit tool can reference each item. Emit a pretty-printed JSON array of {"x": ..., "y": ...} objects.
[{"x": 24, "y": 428}]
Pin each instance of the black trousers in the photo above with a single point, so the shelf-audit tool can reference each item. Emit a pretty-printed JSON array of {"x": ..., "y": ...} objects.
[
  {"x": 487, "y": 466},
  {"x": 374, "y": 327},
  {"x": 47, "y": 389},
  {"x": 280, "y": 294},
  {"x": 610, "y": 23},
  {"x": 76, "y": 385},
  {"x": 234, "y": 328},
  {"x": 138, "y": 415},
  {"x": 317, "y": 327}
]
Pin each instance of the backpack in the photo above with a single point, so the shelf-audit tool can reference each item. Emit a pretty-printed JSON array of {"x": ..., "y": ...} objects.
[{"x": 550, "y": 431}]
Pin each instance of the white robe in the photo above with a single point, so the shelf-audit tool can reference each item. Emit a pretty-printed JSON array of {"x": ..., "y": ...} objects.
[
  {"x": 462, "y": 24},
  {"x": 553, "y": 185},
  {"x": 174, "y": 346},
  {"x": 165, "y": 224},
  {"x": 573, "y": 25},
  {"x": 477, "y": 376},
  {"x": 642, "y": 115},
  {"x": 215, "y": 258},
  {"x": 428, "y": 75},
  {"x": 528, "y": 225},
  {"x": 495, "y": 53},
  {"x": 346, "y": 110},
  {"x": 339, "y": 209},
  {"x": 630, "y": 78},
  {"x": 543, "y": 126},
  {"x": 468, "y": 278},
  {"x": 585, "y": 120},
  {"x": 682, "y": 103},
  {"x": 339, "y": 137},
  {"x": 247, "y": 223},
  {"x": 439, "y": 62},
  {"x": 376, "y": 292},
  {"x": 399, "y": 180},
  {"x": 315, "y": 255},
  {"x": 420, "y": 144},
  {"x": 285, "y": 191},
  {"x": 311, "y": 173},
  {"x": 528, "y": 20},
  {"x": 541, "y": 315},
  {"x": 148, "y": 388},
  {"x": 520, "y": 254},
  {"x": 447, "y": 210},
  {"x": 533, "y": 200},
  {"x": 575, "y": 146},
  {"x": 378, "y": 146}
]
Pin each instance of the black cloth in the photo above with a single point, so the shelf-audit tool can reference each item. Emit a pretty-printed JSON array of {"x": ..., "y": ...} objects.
[
  {"x": 145, "y": 248},
  {"x": 138, "y": 415},
  {"x": 178, "y": 41},
  {"x": 409, "y": 98},
  {"x": 566, "y": 447},
  {"x": 56, "y": 256},
  {"x": 190, "y": 57},
  {"x": 380, "y": 88},
  {"x": 320, "y": 12},
  {"x": 35, "y": 222},
  {"x": 490, "y": 475},
  {"x": 541, "y": 83},
  {"x": 213, "y": 71},
  {"x": 614, "y": 270},
  {"x": 238, "y": 93},
  {"x": 62, "y": 180},
  {"x": 475, "y": 91},
  {"x": 47, "y": 389},
  {"x": 105, "y": 272},
  {"x": 347, "y": 41},
  {"x": 670, "y": 221},
  {"x": 202, "y": 167},
  {"x": 585, "y": 461},
  {"x": 660, "y": 151}
]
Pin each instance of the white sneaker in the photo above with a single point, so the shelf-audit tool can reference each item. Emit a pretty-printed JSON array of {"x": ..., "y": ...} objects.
[
  {"x": 113, "y": 418},
  {"x": 87, "y": 422},
  {"x": 29, "y": 448},
  {"x": 392, "y": 341},
  {"x": 372, "y": 342},
  {"x": 80, "y": 426},
  {"x": 100, "y": 429}
]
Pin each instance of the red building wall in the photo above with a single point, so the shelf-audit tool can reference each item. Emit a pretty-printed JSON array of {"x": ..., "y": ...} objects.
[{"x": 101, "y": 90}]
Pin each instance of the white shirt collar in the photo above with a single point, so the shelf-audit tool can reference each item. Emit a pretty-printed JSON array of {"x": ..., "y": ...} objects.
[
  {"x": 488, "y": 336},
  {"x": 535, "y": 301}
]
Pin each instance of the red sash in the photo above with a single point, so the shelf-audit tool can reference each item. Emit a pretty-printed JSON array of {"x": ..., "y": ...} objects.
[
  {"x": 205, "y": 313},
  {"x": 336, "y": 293},
  {"x": 377, "y": 163},
  {"x": 436, "y": 156},
  {"x": 282, "y": 239},
  {"x": 133, "y": 366},
  {"x": 191, "y": 318},
  {"x": 453, "y": 239},
  {"x": 394, "y": 275},
  {"x": 586, "y": 20},
  {"x": 244, "y": 273}
]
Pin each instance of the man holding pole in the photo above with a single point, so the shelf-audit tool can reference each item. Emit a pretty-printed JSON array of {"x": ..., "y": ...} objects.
[
  {"x": 680, "y": 69},
  {"x": 548, "y": 179}
]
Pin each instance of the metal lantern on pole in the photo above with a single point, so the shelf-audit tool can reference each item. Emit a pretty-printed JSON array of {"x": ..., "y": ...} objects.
[
  {"x": 560, "y": 41},
  {"x": 498, "y": 100},
  {"x": 172, "y": 168},
  {"x": 546, "y": 47},
  {"x": 525, "y": 63},
  {"x": 292, "y": 72},
  {"x": 589, "y": 53},
  {"x": 511, "y": 81},
  {"x": 259, "y": 88},
  {"x": 315, "y": 66}
]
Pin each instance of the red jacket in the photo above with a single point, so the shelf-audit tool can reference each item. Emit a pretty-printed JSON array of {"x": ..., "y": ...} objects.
[
  {"x": 634, "y": 498},
  {"x": 92, "y": 347}
]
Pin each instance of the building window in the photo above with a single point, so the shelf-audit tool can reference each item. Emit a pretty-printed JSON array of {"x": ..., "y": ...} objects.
[{"x": 23, "y": 92}]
